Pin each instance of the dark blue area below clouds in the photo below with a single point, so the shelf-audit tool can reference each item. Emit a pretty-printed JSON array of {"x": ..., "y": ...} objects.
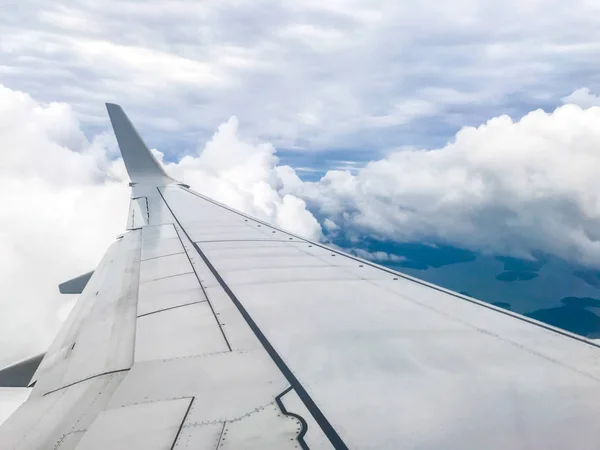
[
  {"x": 546, "y": 288},
  {"x": 572, "y": 316},
  {"x": 591, "y": 277},
  {"x": 516, "y": 276}
]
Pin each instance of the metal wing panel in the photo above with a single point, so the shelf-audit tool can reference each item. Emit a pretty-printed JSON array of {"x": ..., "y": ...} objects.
[
  {"x": 413, "y": 371},
  {"x": 58, "y": 419},
  {"x": 156, "y": 249},
  {"x": 103, "y": 321},
  {"x": 226, "y": 385},
  {"x": 311, "y": 435},
  {"x": 138, "y": 213},
  {"x": 143, "y": 426},
  {"x": 425, "y": 368},
  {"x": 170, "y": 292},
  {"x": 178, "y": 332},
  {"x": 249, "y": 433},
  {"x": 165, "y": 267}
]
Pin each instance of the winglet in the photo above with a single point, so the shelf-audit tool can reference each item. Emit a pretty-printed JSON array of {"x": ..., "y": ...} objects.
[
  {"x": 141, "y": 164},
  {"x": 75, "y": 285},
  {"x": 20, "y": 373}
]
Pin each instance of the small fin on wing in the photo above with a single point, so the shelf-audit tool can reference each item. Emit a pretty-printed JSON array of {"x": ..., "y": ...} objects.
[
  {"x": 75, "y": 285},
  {"x": 20, "y": 373},
  {"x": 141, "y": 164}
]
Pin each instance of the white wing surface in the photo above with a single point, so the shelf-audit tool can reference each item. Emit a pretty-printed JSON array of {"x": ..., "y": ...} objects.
[{"x": 203, "y": 328}]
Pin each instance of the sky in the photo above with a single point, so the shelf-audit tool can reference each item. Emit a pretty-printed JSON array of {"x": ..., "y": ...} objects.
[{"x": 473, "y": 124}]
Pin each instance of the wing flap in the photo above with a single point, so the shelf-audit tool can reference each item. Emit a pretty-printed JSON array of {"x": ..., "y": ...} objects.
[
  {"x": 99, "y": 334},
  {"x": 144, "y": 426}
]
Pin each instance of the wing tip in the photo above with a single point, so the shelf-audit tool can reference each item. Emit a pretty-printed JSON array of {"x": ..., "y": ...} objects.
[
  {"x": 139, "y": 161},
  {"x": 113, "y": 107}
]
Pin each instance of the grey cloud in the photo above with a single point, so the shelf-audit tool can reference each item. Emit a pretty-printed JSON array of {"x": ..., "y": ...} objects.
[
  {"x": 583, "y": 97},
  {"x": 311, "y": 75},
  {"x": 507, "y": 187}
]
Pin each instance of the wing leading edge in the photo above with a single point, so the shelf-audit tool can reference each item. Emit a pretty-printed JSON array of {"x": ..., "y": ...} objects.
[{"x": 206, "y": 328}]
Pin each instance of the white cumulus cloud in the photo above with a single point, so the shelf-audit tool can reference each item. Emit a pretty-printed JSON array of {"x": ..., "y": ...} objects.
[
  {"x": 65, "y": 198},
  {"x": 59, "y": 209},
  {"x": 505, "y": 187},
  {"x": 582, "y": 97},
  {"x": 377, "y": 256},
  {"x": 245, "y": 176}
]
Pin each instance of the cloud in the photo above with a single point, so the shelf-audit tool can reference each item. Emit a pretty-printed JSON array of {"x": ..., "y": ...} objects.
[
  {"x": 306, "y": 75},
  {"x": 377, "y": 256},
  {"x": 245, "y": 176},
  {"x": 66, "y": 200},
  {"x": 507, "y": 187},
  {"x": 330, "y": 225},
  {"x": 582, "y": 97},
  {"x": 61, "y": 208}
]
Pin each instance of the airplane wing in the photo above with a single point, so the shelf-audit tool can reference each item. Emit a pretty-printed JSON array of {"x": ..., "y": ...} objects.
[{"x": 204, "y": 328}]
